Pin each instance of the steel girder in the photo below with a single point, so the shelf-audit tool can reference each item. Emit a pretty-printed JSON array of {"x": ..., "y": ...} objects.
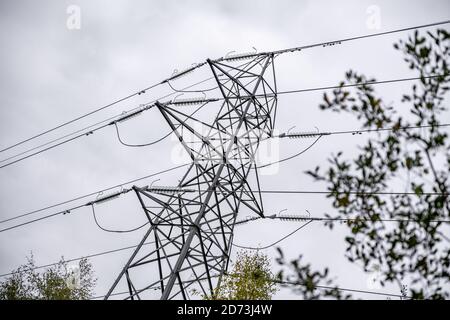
[{"x": 191, "y": 226}]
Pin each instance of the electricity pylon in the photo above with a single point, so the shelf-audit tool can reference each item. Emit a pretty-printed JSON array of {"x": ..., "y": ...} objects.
[{"x": 191, "y": 225}]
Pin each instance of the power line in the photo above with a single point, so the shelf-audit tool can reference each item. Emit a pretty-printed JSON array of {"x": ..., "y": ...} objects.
[
  {"x": 66, "y": 211},
  {"x": 291, "y": 157},
  {"x": 204, "y": 205},
  {"x": 361, "y": 193},
  {"x": 90, "y": 131},
  {"x": 387, "y": 129},
  {"x": 319, "y": 135},
  {"x": 312, "y": 219},
  {"x": 340, "y": 86},
  {"x": 91, "y": 194},
  {"x": 359, "y": 131},
  {"x": 333, "y": 42},
  {"x": 157, "y": 140},
  {"x": 103, "y": 126},
  {"x": 434, "y": 24},
  {"x": 106, "y": 120},
  {"x": 349, "y": 85},
  {"x": 359, "y": 219},
  {"x": 83, "y": 116},
  {"x": 115, "y": 231},
  {"x": 85, "y": 130},
  {"x": 120, "y": 293},
  {"x": 54, "y": 146},
  {"x": 177, "y": 167},
  {"x": 88, "y": 128},
  {"x": 342, "y": 289},
  {"x": 295, "y": 284},
  {"x": 150, "y": 242},
  {"x": 111, "y": 295},
  {"x": 276, "y": 242},
  {"x": 111, "y": 120},
  {"x": 276, "y": 52},
  {"x": 353, "y": 132},
  {"x": 101, "y": 253},
  {"x": 147, "y": 243}
]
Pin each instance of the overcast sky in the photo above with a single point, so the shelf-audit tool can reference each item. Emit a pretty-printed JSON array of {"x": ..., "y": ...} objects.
[{"x": 51, "y": 73}]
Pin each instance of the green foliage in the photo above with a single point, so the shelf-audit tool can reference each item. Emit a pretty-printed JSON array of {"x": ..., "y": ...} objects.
[
  {"x": 305, "y": 282},
  {"x": 416, "y": 249},
  {"x": 250, "y": 279},
  {"x": 55, "y": 283}
]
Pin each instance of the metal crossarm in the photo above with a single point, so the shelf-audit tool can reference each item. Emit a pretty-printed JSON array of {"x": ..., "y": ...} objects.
[{"x": 193, "y": 231}]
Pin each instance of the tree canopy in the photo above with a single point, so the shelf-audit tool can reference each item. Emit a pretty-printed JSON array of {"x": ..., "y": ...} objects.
[
  {"x": 250, "y": 279},
  {"x": 404, "y": 235},
  {"x": 58, "y": 282}
]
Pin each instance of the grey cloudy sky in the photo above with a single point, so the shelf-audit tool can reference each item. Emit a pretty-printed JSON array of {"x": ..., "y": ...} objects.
[{"x": 50, "y": 74}]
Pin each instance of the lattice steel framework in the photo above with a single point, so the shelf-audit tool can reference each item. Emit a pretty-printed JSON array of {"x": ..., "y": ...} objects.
[{"x": 191, "y": 225}]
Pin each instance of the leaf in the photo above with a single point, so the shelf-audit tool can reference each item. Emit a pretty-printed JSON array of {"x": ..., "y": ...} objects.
[
  {"x": 418, "y": 190},
  {"x": 409, "y": 163},
  {"x": 343, "y": 201}
]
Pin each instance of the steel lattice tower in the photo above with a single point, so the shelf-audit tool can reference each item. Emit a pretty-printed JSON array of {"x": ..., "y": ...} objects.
[{"x": 192, "y": 231}]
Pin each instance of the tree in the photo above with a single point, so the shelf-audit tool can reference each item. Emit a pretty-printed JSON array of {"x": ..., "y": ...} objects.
[
  {"x": 308, "y": 283},
  {"x": 59, "y": 282},
  {"x": 250, "y": 279},
  {"x": 415, "y": 250}
]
